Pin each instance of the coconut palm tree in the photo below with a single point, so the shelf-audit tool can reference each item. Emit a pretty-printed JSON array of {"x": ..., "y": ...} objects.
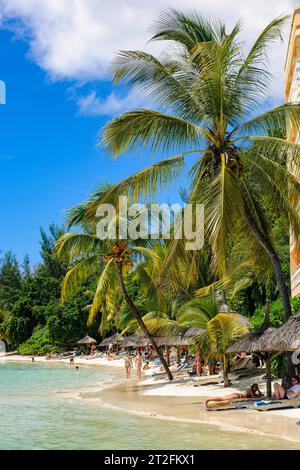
[
  {"x": 209, "y": 95},
  {"x": 89, "y": 255}
]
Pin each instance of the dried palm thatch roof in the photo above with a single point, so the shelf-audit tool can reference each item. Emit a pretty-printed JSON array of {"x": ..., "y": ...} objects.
[
  {"x": 193, "y": 331},
  {"x": 135, "y": 340},
  {"x": 256, "y": 341},
  {"x": 287, "y": 337},
  {"x": 87, "y": 340},
  {"x": 173, "y": 340},
  {"x": 242, "y": 319},
  {"x": 114, "y": 339}
]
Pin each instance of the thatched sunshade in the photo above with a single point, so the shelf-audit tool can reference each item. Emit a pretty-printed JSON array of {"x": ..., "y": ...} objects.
[
  {"x": 173, "y": 341},
  {"x": 287, "y": 337},
  {"x": 259, "y": 341},
  {"x": 256, "y": 341},
  {"x": 114, "y": 339},
  {"x": 136, "y": 340},
  {"x": 193, "y": 332},
  {"x": 242, "y": 319},
  {"x": 87, "y": 340}
]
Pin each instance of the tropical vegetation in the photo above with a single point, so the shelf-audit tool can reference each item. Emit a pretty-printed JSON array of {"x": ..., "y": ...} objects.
[{"x": 209, "y": 108}]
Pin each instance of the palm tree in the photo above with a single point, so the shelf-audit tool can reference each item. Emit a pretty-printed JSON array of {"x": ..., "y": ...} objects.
[
  {"x": 90, "y": 255},
  {"x": 222, "y": 331},
  {"x": 213, "y": 93}
]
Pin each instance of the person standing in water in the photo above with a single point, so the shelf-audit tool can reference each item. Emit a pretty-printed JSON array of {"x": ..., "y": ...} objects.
[
  {"x": 138, "y": 365},
  {"x": 128, "y": 365}
]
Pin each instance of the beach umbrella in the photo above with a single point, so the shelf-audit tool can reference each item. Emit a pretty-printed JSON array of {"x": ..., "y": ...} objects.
[
  {"x": 193, "y": 331},
  {"x": 114, "y": 339},
  {"x": 87, "y": 340},
  {"x": 287, "y": 337},
  {"x": 135, "y": 340},
  {"x": 173, "y": 341},
  {"x": 259, "y": 341}
]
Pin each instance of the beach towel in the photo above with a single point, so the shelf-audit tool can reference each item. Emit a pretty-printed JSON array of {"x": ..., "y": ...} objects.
[
  {"x": 237, "y": 403},
  {"x": 268, "y": 405}
]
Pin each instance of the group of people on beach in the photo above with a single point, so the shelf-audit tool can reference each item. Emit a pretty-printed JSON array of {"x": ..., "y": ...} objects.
[
  {"x": 138, "y": 362},
  {"x": 254, "y": 392}
]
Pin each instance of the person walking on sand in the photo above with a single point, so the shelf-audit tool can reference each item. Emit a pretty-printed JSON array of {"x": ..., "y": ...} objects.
[
  {"x": 128, "y": 365},
  {"x": 138, "y": 365}
]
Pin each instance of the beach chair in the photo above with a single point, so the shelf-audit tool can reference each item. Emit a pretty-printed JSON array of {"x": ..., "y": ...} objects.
[
  {"x": 268, "y": 405},
  {"x": 236, "y": 404},
  {"x": 161, "y": 374}
]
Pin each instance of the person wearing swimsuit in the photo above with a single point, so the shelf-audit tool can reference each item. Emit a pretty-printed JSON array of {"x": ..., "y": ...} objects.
[
  {"x": 128, "y": 365},
  {"x": 138, "y": 365},
  {"x": 252, "y": 392},
  {"x": 281, "y": 394}
]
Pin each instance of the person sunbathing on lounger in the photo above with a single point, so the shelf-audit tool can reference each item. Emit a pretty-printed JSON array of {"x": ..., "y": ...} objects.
[
  {"x": 252, "y": 392},
  {"x": 294, "y": 391}
]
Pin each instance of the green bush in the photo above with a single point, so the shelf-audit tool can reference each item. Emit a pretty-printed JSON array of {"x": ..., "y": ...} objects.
[
  {"x": 38, "y": 344},
  {"x": 276, "y": 313}
]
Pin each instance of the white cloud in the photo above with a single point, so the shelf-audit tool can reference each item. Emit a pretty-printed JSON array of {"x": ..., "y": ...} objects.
[
  {"x": 92, "y": 105},
  {"x": 76, "y": 39}
]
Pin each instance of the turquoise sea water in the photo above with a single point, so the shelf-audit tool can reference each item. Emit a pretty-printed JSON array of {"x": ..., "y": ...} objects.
[{"x": 38, "y": 410}]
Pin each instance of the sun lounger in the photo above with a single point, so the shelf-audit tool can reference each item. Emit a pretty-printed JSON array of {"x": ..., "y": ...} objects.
[
  {"x": 156, "y": 374},
  {"x": 267, "y": 405},
  {"x": 236, "y": 404},
  {"x": 207, "y": 380}
]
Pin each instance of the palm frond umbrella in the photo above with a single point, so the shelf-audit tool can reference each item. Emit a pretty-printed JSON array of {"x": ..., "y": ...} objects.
[
  {"x": 261, "y": 340},
  {"x": 173, "y": 340},
  {"x": 287, "y": 337},
  {"x": 114, "y": 339},
  {"x": 135, "y": 340},
  {"x": 193, "y": 332},
  {"x": 87, "y": 340}
]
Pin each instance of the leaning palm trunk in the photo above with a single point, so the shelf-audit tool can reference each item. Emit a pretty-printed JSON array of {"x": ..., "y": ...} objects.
[
  {"x": 282, "y": 287},
  {"x": 225, "y": 371},
  {"x": 140, "y": 322}
]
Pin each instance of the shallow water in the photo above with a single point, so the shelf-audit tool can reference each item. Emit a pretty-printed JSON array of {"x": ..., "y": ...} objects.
[{"x": 40, "y": 409}]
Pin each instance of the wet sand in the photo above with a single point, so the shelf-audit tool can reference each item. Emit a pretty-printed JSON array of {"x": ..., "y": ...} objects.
[{"x": 130, "y": 397}]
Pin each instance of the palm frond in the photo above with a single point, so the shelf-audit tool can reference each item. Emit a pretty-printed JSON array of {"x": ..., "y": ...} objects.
[
  {"x": 77, "y": 274},
  {"x": 72, "y": 245},
  {"x": 104, "y": 281},
  {"x": 137, "y": 130},
  {"x": 273, "y": 121}
]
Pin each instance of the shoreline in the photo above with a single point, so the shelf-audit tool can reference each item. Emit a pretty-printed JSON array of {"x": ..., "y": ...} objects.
[
  {"x": 98, "y": 361},
  {"x": 179, "y": 401}
]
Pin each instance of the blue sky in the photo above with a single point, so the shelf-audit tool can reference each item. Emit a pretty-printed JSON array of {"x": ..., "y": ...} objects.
[
  {"x": 54, "y": 59},
  {"x": 49, "y": 159}
]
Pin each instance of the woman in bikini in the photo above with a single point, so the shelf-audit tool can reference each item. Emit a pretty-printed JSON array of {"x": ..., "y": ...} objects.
[
  {"x": 138, "y": 365},
  {"x": 128, "y": 365},
  {"x": 252, "y": 392}
]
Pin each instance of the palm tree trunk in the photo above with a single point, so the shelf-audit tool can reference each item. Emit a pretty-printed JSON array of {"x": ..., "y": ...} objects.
[
  {"x": 268, "y": 376},
  {"x": 140, "y": 322},
  {"x": 266, "y": 244},
  {"x": 282, "y": 287},
  {"x": 225, "y": 372}
]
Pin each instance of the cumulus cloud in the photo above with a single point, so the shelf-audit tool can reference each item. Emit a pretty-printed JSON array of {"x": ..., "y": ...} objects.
[
  {"x": 113, "y": 104},
  {"x": 76, "y": 39}
]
